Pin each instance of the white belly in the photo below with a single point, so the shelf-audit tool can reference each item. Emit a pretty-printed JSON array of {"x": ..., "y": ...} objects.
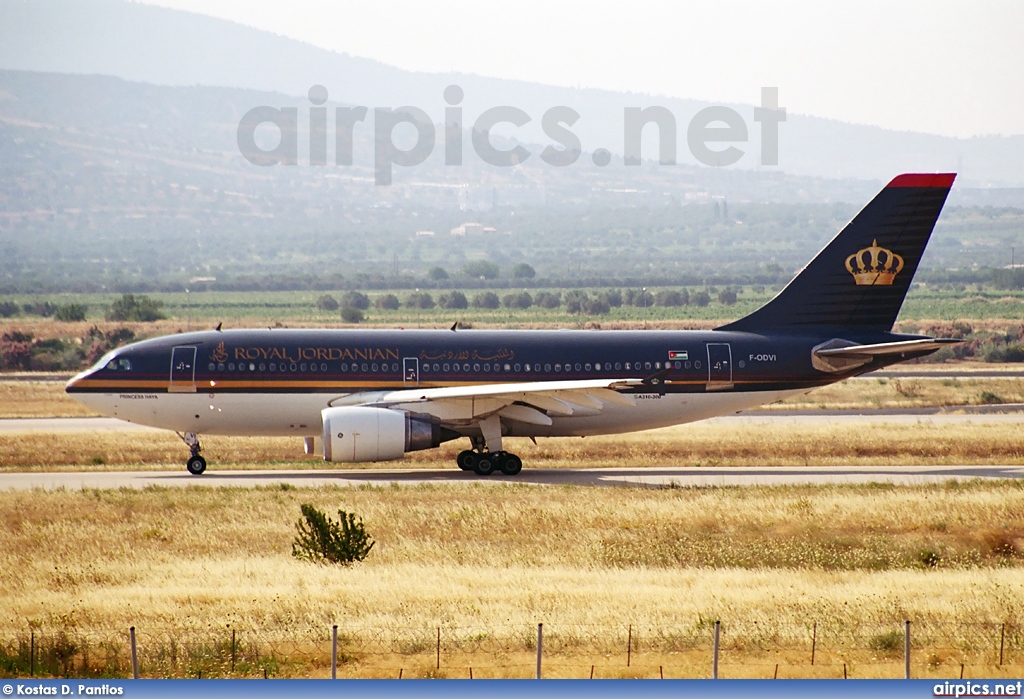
[{"x": 298, "y": 414}]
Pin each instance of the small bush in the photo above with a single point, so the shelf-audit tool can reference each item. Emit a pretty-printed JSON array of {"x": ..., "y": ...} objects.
[
  {"x": 420, "y": 299},
  {"x": 140, "y": 309},
  {"x": 486, "y": 299},
  {"x": 929, "y": 557},
  {"x": 351, "y": 315},
  {"x": 989, "y": 398},
  {"x": 576, "y": 301},
  {"x": 546, "y": 299},
  {"x": 888, "y": 642},
  {"x": 455, "y": 299},
  {"x": 356, "y": 299},
  {"x": 388, "y": 302},
  {"x": 671, "y": 298},
  {"x": 70, "y": 312},
  {"x": 519, "y": 300},
  {"x": 327, "y": 303},
  {"x": 322, "y": 540}
]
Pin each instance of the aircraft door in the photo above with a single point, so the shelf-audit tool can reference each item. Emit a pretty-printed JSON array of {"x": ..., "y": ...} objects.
[
  {"x": 410, "y": 372},
  {"x": 183, "y": 370},
  {"x": 719, "y": 366}
]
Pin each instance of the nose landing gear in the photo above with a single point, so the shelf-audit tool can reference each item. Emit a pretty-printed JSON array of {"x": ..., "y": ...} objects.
[{"x": 195, "y": 464}]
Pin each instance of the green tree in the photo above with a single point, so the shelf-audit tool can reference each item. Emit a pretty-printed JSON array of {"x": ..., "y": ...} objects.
[
  {"x": 481, "y": 268},
  {"x": 70, "y": 312},
  {"x": 322, "y": 540},
  {"x": 523, "y": 271},
  {"x": 438, "y": 274},
  {"x": 140, "y": 309}
]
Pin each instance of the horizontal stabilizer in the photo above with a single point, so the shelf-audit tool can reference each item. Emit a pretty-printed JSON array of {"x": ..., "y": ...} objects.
[
  {"x": 840, "y": 355},
  {"x": 888, "y": 348}
]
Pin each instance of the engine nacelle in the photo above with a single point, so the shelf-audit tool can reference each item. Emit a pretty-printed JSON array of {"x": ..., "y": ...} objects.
[{"x": 377, "y": 434}]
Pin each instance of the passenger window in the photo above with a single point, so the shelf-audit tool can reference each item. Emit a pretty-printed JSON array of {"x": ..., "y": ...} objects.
[{"x": 618, "y": 366}]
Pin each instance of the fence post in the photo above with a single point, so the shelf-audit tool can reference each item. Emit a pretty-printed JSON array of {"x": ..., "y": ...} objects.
[
  {"x": 540, "y": 646},
  {"x": 906, "y": 649},
  {"x": 629, "y": 646},
  {"x": 232, "y": 651},
  {"x": 1002, "y": 640},
  {"x": 135, "y": 654},
  {"x": 814, "y": 642},
  {"x": 438, "y": 647},
  {"x": 334, "y": 652},
  {"x": 714, "y": 664}
]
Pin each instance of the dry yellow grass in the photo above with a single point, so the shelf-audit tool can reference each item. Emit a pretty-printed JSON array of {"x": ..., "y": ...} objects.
[
  {"x": 486, "y": 563},
  {"x": 908, "y": 392},
  {"x": 38, "y": 399},
  {"x": 715, "y": 443}
]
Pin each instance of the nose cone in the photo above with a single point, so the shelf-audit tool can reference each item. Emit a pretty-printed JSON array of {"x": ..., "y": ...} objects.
[{"x": 79, "y": 389}]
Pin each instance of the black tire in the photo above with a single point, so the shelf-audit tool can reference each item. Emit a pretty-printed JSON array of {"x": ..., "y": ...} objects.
[
  {"x": 511, "y": 465},
  {"x": 485, "y": 464},
  {"x": 466, "y": 460},
  {"x": 196, "y": 465}
]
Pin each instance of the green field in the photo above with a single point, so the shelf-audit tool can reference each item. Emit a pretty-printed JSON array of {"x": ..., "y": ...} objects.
[{"x": 291, "y": 307}]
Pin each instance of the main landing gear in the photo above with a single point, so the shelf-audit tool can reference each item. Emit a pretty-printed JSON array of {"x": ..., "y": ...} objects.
[
  {"x": 195, "y": 464},
  {"x": 485, "y": 463}
]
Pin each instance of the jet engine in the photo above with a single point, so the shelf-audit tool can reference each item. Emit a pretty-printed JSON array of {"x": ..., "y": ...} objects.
[{"x": 355, "y": 434}]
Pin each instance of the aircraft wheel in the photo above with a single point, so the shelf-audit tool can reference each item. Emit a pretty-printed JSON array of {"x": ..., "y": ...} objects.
[
  {"x": 485, "y": 464},
  {"x": 466, "y": 460},
  {"x": 511, "y": 464},
  {"x": 196, "y": 465}
]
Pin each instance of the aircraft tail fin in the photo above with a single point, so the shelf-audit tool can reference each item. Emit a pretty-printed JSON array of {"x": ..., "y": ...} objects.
[{"x": 859, "y": 280}]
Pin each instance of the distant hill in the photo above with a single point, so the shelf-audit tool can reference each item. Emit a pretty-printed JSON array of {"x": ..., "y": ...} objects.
[
  {"x": 123, "y": 186},
  {"x": 168, "y": 47}
]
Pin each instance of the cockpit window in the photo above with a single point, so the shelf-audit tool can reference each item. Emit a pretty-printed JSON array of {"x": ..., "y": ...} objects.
[{"x": 111, "y": 362}]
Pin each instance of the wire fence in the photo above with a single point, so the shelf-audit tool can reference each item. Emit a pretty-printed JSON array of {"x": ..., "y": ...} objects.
[{"x": 816, "y": 649}]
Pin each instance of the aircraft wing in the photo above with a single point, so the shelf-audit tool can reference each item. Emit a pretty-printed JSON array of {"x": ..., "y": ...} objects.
[{"x": 533, "y": 402}]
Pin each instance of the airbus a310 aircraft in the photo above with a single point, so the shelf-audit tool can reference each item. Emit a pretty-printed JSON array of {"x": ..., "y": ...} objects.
[{"x": 373, "y": 395}]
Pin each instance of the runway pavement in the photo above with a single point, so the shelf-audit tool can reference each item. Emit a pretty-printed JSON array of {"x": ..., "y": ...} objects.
[
  {"x": 681, "y": 476},
  {"x": 58, "y": 425},
  {"x": 641, "y": 477}
]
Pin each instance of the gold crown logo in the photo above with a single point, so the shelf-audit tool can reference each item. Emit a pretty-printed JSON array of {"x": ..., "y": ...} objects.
[
  {"x": 870, "y": 269},
  {"x": 219, "y": 354}
]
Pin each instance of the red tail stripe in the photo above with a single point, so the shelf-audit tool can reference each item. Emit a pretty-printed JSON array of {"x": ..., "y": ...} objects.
[{"x": 944, "y": 179}]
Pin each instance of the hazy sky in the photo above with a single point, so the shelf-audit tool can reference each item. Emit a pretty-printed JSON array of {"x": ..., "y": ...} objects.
[{"x": 951, "y": 68}]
